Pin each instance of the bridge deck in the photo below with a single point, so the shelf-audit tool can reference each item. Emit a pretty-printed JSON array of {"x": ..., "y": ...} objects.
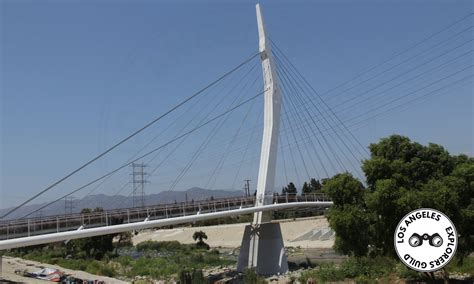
[{"x": 20, "y": 228}]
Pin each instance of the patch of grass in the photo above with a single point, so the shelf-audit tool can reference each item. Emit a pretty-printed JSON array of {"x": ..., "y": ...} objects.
[
  {"x": 376, "y": 270},
  {"x": 159, "y": 260},
  {"x": 250, "y": 276},
  {"x": 360, "y": 269},
  {"x": 161, "y": 246}
]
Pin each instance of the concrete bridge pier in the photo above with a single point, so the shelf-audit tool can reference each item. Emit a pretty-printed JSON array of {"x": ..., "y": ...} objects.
[{"x": 266, "y": 242}]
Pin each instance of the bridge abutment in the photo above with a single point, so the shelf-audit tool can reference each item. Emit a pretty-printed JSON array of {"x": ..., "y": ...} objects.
[{"x": 262, "y": 247}]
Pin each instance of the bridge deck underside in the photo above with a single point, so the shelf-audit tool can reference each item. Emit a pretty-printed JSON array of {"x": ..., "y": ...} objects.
[{"x": 62, "y": 223}]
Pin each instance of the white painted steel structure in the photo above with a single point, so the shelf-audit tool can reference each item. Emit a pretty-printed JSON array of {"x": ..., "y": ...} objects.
[
  {"x": 262, "y": 244},
  {"x": 84, "y": 233},
  {"x": 271, "y": 118},
  {"x": 264, "y": 241}
]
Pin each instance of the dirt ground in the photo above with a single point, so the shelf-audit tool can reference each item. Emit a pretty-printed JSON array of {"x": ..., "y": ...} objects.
[
  {"x": 230, "y": 236},
  {"x": 12, "y": 264},
  {"x": 303, "y": 246}
]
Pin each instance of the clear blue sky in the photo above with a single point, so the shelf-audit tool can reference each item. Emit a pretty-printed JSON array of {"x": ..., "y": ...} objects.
[{"x": 76, "y": 76}]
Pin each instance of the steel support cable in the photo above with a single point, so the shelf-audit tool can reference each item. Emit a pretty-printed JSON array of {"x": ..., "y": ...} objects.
[
  {"x": 331, "y": 149},
  {"x": 149, "y": 143},
  {"x": 436, "y": 57},
  {"x": 228, "y": 147},
  {"x": 429, "y": 61},
  {"x": 356, "y": 166},
  {"x": 409, "y": 103},
  {"x": 404, "y": 73},
  {"x": 221, "y": 162},
  {"x": 223, "y": 98},
  {"x": 203, "y": 119},
  {"x": 327, "y": 130},
  {"x": 246, "y": 150},
  {"x": 289, "y": 93},
  {"x": 203, "y": 145},
  {"x": 296, "y": 140},
  {"x": 328, "y": 145},
  {"x": 150, "y": 152},
  {"x": 157, "y": 136},
  {"x": 302, "y": 101},
  {"x": 323, "y": 101},
  {"x": 298, "y": 90},
  {"x": 283, "y": 157},
  {"x": 206, "y": 141},
  {"x": 285, "y": 115},
  {"x": 217, "y": 92},
  {"x": 298, "y": 97},
  {"x": 373, "y": 96},
  {"x": 279, "y": 51},
  {"x": 128, "y": 137},
  {"x": 384, "y": 112},
  {"x": 409, "y": 79},
  {"x": 396, "y": 54},
  {"x": 306, "y": 135},
  {"x": 413, "y": 92},
  {"x": 429, "y": 85},
  {"x": 448, "y": 40}
]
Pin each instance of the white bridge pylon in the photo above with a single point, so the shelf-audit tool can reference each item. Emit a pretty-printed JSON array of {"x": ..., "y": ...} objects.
[
  {"x": 271, "y": 118},
  {"x": 262, "y": 244}
]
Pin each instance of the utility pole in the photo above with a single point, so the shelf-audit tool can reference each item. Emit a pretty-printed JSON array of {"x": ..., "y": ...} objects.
[
  {"x": 69, "y": 204},
  {"x": 138, "y": 183},
  {"x": 247, "y": 187}
]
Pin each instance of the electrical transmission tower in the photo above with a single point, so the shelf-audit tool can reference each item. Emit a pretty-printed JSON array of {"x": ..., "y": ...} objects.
[
  {"x": 69, "y": 204},
  {"x": 138, "y": 183}
]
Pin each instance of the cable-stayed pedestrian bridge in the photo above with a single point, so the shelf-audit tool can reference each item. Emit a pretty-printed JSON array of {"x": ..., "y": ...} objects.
[{"x": 310, "y": 138}]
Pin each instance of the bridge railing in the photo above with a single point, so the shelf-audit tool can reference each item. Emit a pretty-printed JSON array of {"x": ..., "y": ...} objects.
[{"x": 60, "y": 223}]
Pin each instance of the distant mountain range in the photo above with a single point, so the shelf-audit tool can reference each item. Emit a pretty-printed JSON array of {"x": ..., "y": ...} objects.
[{"x": 120, "y": 201}]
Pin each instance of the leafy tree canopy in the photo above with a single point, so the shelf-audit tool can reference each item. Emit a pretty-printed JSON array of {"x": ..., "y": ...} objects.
[
  {"x": 290, "y": 189},
  {"x": 401, "y": 176}
]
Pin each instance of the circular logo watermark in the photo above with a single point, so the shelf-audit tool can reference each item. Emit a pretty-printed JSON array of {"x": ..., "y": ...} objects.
[{"x": 425, "y": 240}]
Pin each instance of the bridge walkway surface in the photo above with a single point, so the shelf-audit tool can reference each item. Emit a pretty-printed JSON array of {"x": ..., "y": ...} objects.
[{"x": 28, "y": 227}]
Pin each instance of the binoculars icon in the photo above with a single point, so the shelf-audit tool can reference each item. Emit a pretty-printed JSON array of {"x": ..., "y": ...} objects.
[{"x": 417, "y": 240}]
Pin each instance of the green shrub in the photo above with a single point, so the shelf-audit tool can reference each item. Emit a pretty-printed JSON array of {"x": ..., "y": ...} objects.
[
  {"x": 467, "y": 265},
  {"x": 363, "y": 270},
  {"x": 160, "y": 246},
  {"x": 251, "y": 277}
]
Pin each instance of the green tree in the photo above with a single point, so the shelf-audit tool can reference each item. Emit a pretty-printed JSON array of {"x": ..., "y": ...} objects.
[
  {"x": 401, "y": 176},
  {"x": 348, "y": 217},
  {"x": 306, "y": 189},
  {"x": 86, "y": 210},
  {"x": 124, "y": 239},
  {"x": 291, "y": 189},
  {"x": 93, "y": 247},
  {"x": 200, "y": 236},
  {"x": 315, "y": 185}
]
